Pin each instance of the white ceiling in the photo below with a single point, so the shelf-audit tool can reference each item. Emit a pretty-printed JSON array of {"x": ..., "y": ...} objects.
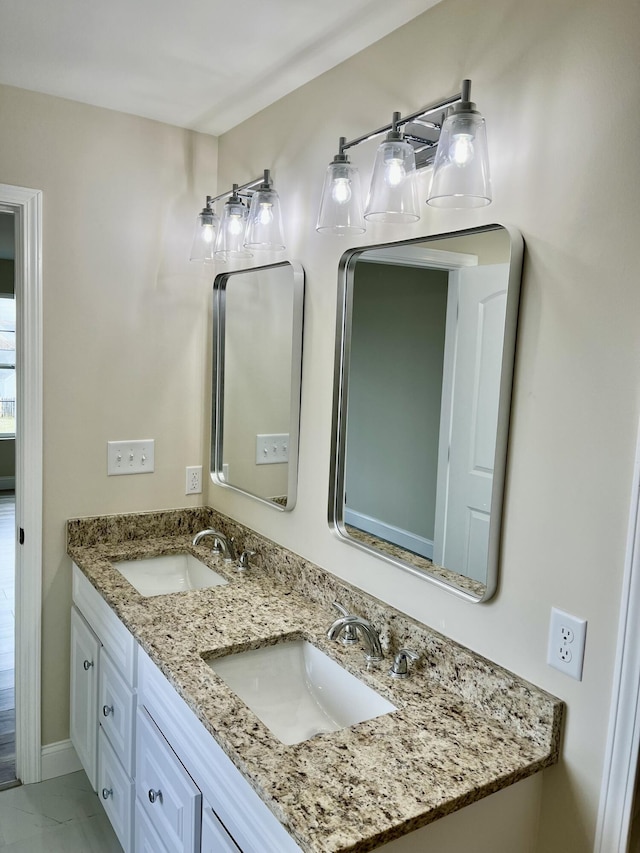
[{"x": 201, "y": 64}]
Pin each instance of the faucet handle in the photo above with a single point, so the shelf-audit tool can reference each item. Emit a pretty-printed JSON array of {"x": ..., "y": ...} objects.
[
  {"x": 400, "y": 666},
  {"x": 350, "y": 633},
  {"x": 243, "y": 562}
]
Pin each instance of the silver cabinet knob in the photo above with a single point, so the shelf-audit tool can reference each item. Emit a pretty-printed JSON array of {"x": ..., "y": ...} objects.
[
  {"x": 106, "y": 793},
  {"x": 87, "y": 665},
  {"x": 155, "y": 795},
  {"x": 107, "y": 709}
]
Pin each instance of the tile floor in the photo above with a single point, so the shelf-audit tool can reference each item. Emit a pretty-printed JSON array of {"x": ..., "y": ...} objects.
[
  {"x": 7, "y": 637},
  {"x": 62, "y": 815}
]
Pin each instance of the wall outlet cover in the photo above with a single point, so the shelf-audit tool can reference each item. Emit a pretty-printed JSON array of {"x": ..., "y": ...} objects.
[
  {"x": 567, "y": 636},
  {"x": 193, "y": 484}
]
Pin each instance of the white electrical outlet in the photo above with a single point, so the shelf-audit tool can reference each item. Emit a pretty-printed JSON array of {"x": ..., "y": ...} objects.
[
  {"x": 130, "y": 457},
  {"x": 567, "y": 635},
  {"x": 272, "y": 448},
  {"x": 194, "y": 480}
]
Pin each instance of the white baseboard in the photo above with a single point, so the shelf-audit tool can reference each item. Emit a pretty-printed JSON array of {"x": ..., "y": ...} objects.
[
  {"x": 7, "y": 484},
  {"x": 390, "y": 533},
  {"x": 58, "y": 759}
]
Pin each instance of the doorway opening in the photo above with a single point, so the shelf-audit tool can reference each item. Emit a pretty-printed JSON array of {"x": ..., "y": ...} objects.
[
  {"x": 7, "y": 640},
  {"x": 7, "y": 499},
  {"x": 24, "y": 208}
]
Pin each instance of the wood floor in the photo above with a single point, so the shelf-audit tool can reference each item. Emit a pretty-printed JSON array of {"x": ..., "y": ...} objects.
[{"x": 7, "y": 638}]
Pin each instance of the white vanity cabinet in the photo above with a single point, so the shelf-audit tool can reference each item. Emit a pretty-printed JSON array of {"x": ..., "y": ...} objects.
[
  {"x": 165, "y": 791},
  {"x": 85, "y": 649},
  {"x": 103, "y": 702},
  {"x": 215, "y": 838},
  {"x": 165, "y": 784},
  {"x": 233, "y": 814}
]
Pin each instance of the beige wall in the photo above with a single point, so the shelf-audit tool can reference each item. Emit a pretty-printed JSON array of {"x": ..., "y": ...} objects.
[
  {"x": 125, "y": 325},
  {"x": 125, "y": 320},
  {"x": 544, "y": 75}
]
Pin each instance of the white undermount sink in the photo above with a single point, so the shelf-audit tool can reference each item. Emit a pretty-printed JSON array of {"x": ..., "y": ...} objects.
[
  {"x": 298, "y": 691},
  {"x": 168, "y": 573}
]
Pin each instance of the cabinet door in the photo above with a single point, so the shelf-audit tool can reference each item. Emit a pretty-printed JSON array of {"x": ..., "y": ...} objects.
[
  {"x": 115, "y": 790},
  {"x": 116, "y": 710},
  {"x": 165, "y": 790},
  {"x": 83, "y": 727},
  {"x": 215, "y": 838},
  {"x": 147, "y": 839}
]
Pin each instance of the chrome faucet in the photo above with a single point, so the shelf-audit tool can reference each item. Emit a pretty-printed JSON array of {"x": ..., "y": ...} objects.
[
  {"x": 365, "y": 629},
  {"x": 222, "y": 544},
  {"x": 244, "y": 561},
  {"x": 400, "y": 666}
]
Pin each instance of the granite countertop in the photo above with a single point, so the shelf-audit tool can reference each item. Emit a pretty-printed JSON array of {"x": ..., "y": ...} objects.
[{"x": 463, "y": 728}]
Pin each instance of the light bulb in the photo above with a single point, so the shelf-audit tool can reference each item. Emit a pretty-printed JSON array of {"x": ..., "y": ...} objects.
[
  {"x": 235, "y": 224},
  {"x": 265, "y": 214},
  {"x": 208, "y": 233},
  {"x": 394, "y": 171},
  {"x": 341, "y": 190},
  {"x": 461, "y": 150}
]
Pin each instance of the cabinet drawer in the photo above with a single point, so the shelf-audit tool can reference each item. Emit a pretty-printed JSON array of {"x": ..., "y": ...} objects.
[
  {"x": 147, "y": 839},
  {"x": 116, "y": 711},
  {"x": 83, "y": 723},
  {"x": 215, "y": 838},
  {"x": 167, "y": 794},
  {"x": 108, "y": 628},
  {"x": 116, "y": 793}
]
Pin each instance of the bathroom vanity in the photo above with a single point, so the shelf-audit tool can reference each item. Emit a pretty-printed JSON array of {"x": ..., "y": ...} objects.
[{"x": 181, "y": 763}]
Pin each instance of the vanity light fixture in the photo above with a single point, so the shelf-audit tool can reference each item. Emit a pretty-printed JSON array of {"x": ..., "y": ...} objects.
[
  {"x": 341, "y": 204},
  {"x": 392, "y": 195},
  {"x": 264, "y": 224},
  {"x": 231, "y": 232},
  {"x": 241, "y": 229},
  {"x": 449, "y": 134},
  {"x": 461, "y": 170},
  {"x": 204, "y": 237}
]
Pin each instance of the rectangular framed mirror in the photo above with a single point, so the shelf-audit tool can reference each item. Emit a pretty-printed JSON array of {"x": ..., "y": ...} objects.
[
  {"x": 425, "y": 347},
  {"x": 257, "y": 369}
]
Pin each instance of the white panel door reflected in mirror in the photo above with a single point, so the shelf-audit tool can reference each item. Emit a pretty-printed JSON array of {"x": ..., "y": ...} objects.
[
  {"x": 424, "y": 363},
  {"x": 257, "y": 328}
]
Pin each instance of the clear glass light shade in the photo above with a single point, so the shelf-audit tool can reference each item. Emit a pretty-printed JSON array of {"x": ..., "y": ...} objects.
[
  {"x": 392, "y": 195},
  {"x": 204, "y": 237},
  {"x": 264, "y": 225},
  {"x": 461, "y": 169},
  {"x": 232, "y": 231},
  {"x": 341, "y": 204}
]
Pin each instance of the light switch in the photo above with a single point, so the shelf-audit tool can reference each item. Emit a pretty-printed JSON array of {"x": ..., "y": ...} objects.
[
  {"x": 272, "y": 448},
  {"x": 130, "y": 457}
]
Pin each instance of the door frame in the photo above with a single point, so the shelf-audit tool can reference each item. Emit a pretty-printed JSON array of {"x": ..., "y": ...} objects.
[
  {"x": 623, "y": 739},
  {"x": 26, "y": 205}
]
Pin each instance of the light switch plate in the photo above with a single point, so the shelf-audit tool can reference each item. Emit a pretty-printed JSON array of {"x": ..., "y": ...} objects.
[
  {"x": 272, "y": 448},
  {"x": 130, "y": 457}
]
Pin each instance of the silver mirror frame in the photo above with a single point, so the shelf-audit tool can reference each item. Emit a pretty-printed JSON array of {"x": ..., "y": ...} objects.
[
  {"x": 217, "y": 424},
  {"x": 340, "y": 398}
]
